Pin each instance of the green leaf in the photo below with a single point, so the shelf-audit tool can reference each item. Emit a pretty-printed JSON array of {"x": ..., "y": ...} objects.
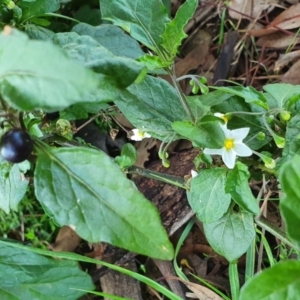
[
  {"x": 112, "y": 38},
  {"x": 152, "y": 106},
  {"x": 292, "y": 137},
  {"x": 289, "y": 177},
  {"x": 231, "y": 235},
  {"x": 88, "y": 15},
  {"x": 128, "y": 156},
  {"x": 281, "y": 93},
  {"x": 38, "y": 33},
  {"x": 12, "y": 186},
  {"x": 92, "y": 195},
  {"x": 249, "y": 94},
  {"x": 37, "y": 8},
  {"x": 143, "y": 20},
  {"x": 207, "y": 134},
  {"x": 214, "y": 98},
  {"x": 38, "y": 83},
  {"x": 153, "y": 63},
  {"x": 282, "y": 281},
  {"x": 91, "y": 54},
  {"x": 199, "y": 110},
  {"x": 174, "y": 31},
  {"x": 237, "y": 186},
  {"x": 27, "y": 275},
  {"x": 207, "y": 196}
]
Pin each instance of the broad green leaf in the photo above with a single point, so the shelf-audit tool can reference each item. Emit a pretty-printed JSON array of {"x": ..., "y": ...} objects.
[
  {"x": 249, "y": 94},
  {"x": 207, "y": 196},
  {"x": 154, "y": 63},
  {"x": 88, "y": 15},
  {"x": 238, "y": 187},
  {"x": 128, "y": 156},
  {"x": 206, "y": 134},
  {"x": 199, "y": 110},
  {"x": 213, "y": 98},
  {"x": 38, "y": 33},
  {"x": 281, "y": 93},
  {"x": 231, "y": 235},
  {"x": 174, "y": 31},
  {"x": 85, "y": 189},
  {"x": 152, "y": 106},
  {"x": 36, "y": 8},
  {"x": 282, "y": 281},
  {"x": 38, "y": 83},
  {"x": 13, "y": 186},
  {"x": 289, "y": 177},
  {"x": 27, "y": 275},
  {"x": 112, "y": 38},
  {"x": 91, "y": 54},
  {"x": 144, "y": 20},
  {"x": 292, "y": 137}
]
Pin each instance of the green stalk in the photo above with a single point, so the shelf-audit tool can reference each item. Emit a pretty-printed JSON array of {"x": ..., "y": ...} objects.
[
  {"x": 181, "y": 95},
  {"x": 250, "y": 261},
  {"x": 177, "y": 181},
  {"x": 278, "y": 233},
  {"x": 234, "y": 280}
]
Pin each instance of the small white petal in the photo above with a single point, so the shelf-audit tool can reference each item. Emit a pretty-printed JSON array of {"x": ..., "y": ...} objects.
[
  {"x": 239, "y": 134},
  {"x": 194, "y": 173},
  {"x": 213, "y": 151},
  {"x": 242, "y": 150},
  {"x": 147, "y": 135},
  {"x": 228, "y": 158}
]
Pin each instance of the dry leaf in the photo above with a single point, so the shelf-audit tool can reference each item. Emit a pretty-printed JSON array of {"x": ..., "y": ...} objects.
[
  {"x": 241, "y": 9},
  {"x": 285, "y": 59},
  {"x": 288, "y": 19},
  {"x": 196, "y": 50},
  {"x": 292, "y": 75},
  {"x": 67, "y": 240},
  {"x": 142, "y": 148},
  {"x": 277, "y": 40},
  {"x": 199, "y": 291}
]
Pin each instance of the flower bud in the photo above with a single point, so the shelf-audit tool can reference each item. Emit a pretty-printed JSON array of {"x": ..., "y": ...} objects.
[
  {"x": 261, "y": 136},
  {"x": 285, "y": 116}
]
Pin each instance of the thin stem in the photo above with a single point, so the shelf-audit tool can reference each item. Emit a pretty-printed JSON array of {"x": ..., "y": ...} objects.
[
  {"x": 250, "y": 261},
  {"x": 177, "y": 181},
  {"x": 181, "y": 95},
  {"x": 234, "y": 280},
  {"x": 277, "y": 232}
]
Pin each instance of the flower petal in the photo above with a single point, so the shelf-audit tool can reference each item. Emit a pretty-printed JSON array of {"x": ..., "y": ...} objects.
[
  {"x": 194, "y": 173},
  {"x": 239, "y": 134},
  {"x": 242, "y": 149},
  {"x": 213, "y": 151},
  {"x": 229, "y": 158}
]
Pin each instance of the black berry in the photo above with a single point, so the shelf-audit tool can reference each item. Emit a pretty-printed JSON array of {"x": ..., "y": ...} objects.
[{"x": 16, "y": 145}]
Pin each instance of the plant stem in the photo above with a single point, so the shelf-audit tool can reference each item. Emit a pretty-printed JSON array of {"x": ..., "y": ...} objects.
[
  {"x": 250, "y": 261},
  {"x": 158, "y": 176},
  {"x": 277, "y": 232},
  {"x": 234, "y": 281},
  {"x": 181, "y": 94}
]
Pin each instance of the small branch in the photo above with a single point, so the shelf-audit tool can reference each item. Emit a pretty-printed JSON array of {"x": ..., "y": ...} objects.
[{"x": 158, "y": 176}]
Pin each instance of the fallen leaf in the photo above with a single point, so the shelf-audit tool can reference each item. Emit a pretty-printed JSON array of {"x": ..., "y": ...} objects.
[
  {"x": 292, "y": 75},
  {"x": 288, "y": 19},
  {"x": 241, "y": 9},
  {"x": 285, "y": 59},
  {"x": 67, "y": 240},
  {"x": 278, "y": 40}
]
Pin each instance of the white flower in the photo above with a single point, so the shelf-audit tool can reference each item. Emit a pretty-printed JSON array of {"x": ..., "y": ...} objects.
[
  {"x": 194, "y": 173},
  {"x": 222, "y": 116},
  {"x": 137, "y": 135},
  {"x": 233, "y": 146}
]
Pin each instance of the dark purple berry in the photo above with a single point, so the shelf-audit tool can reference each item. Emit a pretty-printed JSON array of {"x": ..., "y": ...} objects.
[{"x": 16, "y": 145}]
